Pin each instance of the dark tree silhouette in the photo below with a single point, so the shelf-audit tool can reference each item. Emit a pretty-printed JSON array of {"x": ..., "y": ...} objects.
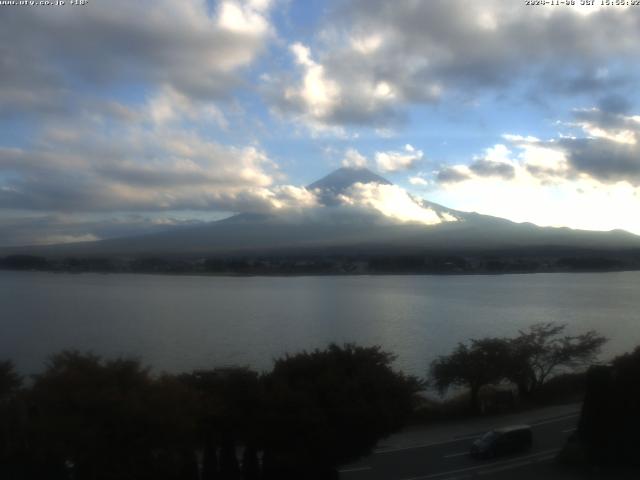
[
  {"x": 11, "y": 421},
  {"x": 110, "y": 419},
  {"x": 528, "y": 360},
  {"x": 482, "y": 362},
  {"x": 250, "y": 464},
  {"x": 329, "y": 407},
  {"x": 10, "y": 381},
  {"x": 24, "y": 262},
  {"x": 607, "y": 433},
  {"x": 229, "y": 410},
  {"x": 542, "y": 350}
]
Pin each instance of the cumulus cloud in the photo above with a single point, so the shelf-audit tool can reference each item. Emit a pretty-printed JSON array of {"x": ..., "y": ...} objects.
[
  {"x": 454, "y": 174},
  {"x": 168, "y": 106},
  {"x": 289, "y": 197},
  {"x": 608, "y": 151},
  {"x": 418, "y": 181},
  {"x": 608, "y": 125},
  {"x": 354, "y": 159},
  {"x": 603, "y": 159},
  {"x": 589, "y": 181},
  {"x": 48, "y": 55},
  {"x": 374, "y": 58},
  {"x": 495, "y": 162},
  {"x": 391, "y": 201},
  {"x": 325, "y": 102},
  {"x": 488, "y": 168},
  {"x": 316, "y": 93},
  {"x": 149, "y": 163},
  {"x": 393, "y": 161}
]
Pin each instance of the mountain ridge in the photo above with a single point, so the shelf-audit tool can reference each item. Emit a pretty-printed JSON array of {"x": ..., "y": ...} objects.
[{"x": 333, "y": 227}]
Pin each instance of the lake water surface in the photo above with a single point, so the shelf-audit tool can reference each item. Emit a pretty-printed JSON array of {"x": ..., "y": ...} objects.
[{"x": 178, "y": 323}]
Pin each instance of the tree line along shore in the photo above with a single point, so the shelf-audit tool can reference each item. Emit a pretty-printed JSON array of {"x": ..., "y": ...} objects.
[{"x": 499, "y": 262}]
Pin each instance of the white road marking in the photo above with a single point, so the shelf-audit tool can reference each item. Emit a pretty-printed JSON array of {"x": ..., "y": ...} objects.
[
  {"x": 456, "y": 454},
  {"x": 568, "y": 430},
  {"x": 355, "y": 469},
  {"x": 511, "y": 463}
]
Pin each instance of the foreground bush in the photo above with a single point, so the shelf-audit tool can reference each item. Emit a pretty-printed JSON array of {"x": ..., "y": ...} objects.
[
  {"x": 95, "y": 419},
  {"x": 89, "y": 418},
  {"x": 610, "y": 419},
  {"x": 330, "y": 407}
]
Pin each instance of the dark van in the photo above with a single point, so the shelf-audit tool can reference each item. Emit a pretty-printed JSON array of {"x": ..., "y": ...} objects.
[{"x": 501, "y": 441}]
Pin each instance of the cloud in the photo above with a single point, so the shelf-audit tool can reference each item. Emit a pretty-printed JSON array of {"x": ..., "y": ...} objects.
[
  {"x": 354, "y": 159},
  {"x": 171, "y": 171},
  {"x": 134, "y": 178},
  {"x": 326, "y": 103},
  {"x": 614, "y": 103},
  {"x": 170, "y": 106},
  {"x": 455, "y": 174},
  {"x": 488, "y": 168},
  {"x": 577, "y": 203},
  {"x": 607, "y": 152},
  {"x": 372, "y": 59},
  {"x": 289, "y": 197},
  {"x": 393, "y": 161},
  {"x": 603, "y": 159},
  {"x": 317, "y": 94},
  {"x": 590, "y": 181},
  {"x": 607, "y": 125},
  {"x": 418, "y": 181},
  {"x": 495, "y": 162},
  {"x": 25, "y": 229},
  {"x": 152, "y": 162},
  {"x": 50, "y": 55},
  {"x": 391, "y": 201}
]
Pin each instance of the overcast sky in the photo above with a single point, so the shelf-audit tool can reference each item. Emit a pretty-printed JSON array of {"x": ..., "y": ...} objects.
[{"x": 122, "y": 117}]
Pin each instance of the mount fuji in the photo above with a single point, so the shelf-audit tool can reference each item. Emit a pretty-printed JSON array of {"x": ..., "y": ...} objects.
[{"x": 350, "y": 217}]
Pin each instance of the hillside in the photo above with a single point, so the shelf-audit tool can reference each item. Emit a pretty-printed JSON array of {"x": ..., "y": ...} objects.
[{"x": 333, "y": 229}]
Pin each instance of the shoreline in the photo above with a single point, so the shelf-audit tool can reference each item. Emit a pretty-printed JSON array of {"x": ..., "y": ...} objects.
[{"x": 196, "y": 273}]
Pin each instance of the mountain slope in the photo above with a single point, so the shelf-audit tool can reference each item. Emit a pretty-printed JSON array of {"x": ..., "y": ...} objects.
[
  {"x": 335, "y": 228},
  {"x": 338, "y": 181}
]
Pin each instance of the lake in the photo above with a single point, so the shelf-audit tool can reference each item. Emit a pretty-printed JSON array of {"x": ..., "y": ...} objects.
[{"x": 178, "y": 323}]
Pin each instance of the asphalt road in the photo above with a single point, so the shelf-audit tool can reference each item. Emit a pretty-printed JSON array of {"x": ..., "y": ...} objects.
[{"x": 450, "y": 460}]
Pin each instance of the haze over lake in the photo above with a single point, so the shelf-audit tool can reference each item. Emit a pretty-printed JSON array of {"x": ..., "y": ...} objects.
[{"x": 178, "y": 323}]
